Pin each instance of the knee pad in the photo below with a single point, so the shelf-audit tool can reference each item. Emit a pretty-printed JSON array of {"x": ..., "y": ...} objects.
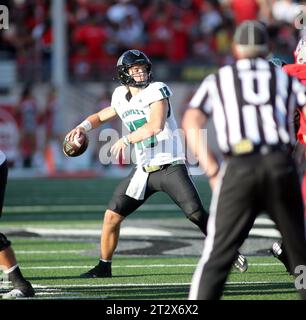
[
  {"x": 4, "y": 242},
  {"x": 200, "y": 219}
]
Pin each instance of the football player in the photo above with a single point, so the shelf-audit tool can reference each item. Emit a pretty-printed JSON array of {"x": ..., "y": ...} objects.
[
  {"x": 8, "y": 263},
  {"x": 145, "y": 109},
  {"x": 298, "y": 70}
]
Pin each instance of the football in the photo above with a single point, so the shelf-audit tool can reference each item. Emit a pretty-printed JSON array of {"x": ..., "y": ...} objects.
[{"x": 76, "y": 147}]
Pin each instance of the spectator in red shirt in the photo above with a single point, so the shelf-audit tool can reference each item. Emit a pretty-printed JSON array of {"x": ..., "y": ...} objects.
[
  {"x": 244, "y": 10},
  {"x": 178, "y": 46},
  {"x": 159, "y": 36},
  {"x": 93, "y": 36}
]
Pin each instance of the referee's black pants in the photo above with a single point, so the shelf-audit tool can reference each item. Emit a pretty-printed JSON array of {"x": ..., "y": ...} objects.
[{"x": 249, "y": 185}]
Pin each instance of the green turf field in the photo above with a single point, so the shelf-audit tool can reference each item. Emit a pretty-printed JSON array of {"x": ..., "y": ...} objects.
[
  {"x": 54, "y": 263},
  {"x": 54, "y": 268}
]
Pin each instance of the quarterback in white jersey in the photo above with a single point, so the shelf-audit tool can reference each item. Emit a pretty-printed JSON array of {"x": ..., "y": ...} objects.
[
  {"x": 134, "y": 113},
  {"x": 144, "y": 107}
]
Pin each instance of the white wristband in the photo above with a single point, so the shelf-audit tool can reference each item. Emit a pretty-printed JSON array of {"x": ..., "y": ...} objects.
[{"x": 86, "y": 125}]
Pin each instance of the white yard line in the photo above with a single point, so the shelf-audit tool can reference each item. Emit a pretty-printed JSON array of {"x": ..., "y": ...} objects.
[
  {"x": 125, "y": 231},
  {"x": 136, "y": 266},
  {"x": 169, "y": 284},
  {"x": 265, "y": 232},
  {"x": 258, "y": 282}
]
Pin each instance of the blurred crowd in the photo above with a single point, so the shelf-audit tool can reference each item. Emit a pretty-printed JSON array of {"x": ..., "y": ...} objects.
[
  {"x": 41, "y": 129},
  {"x": 29, "y": 116},
  {"x": 172, "y": 31}
]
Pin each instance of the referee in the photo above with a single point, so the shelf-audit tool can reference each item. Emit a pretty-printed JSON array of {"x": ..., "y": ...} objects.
[{"x": 251, "y": 103}]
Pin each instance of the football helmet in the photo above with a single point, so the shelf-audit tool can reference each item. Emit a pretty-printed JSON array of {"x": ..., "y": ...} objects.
[
  {"x": 128, "y": 59},
  {"x": 300, "y": 52}
]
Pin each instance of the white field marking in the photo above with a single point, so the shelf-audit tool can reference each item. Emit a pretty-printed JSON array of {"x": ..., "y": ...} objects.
[
  {"x": 51, "y": 293},
  {"x": 137, "y": 266},
  {"x": 45, "y": 288},
  {"x": 133, "y": 231},
  {"x": 102, "y": 285},
  {"x": 171, "y": 284},
  {"x": 38, "y": 286},
  {"x": 78, "y": 297},
  {"x": 57, "y": 292},
  {"x": 125, "y": 231},
  {"x": 66, "y": 296},
  {"x": 48, "y": 251},
  {"x": 127, "y": 266},
  {"x": 257, "y": 282},
  {"x": 264, "y": 221},
  {"x": 269, "y": 233},
  {"x": 83, "y": 208},
  {"x": 265, "y": 264}
]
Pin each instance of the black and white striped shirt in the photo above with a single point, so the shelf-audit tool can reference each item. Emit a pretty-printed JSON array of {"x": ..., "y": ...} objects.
[{"x": 251, "y": 99}]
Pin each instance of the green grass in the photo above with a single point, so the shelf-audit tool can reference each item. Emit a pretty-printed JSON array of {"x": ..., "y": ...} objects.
[
  {"x": 138, "y": 277},
  {"x": 45, "y": 262},
  {"x": 28, "y": 201}
]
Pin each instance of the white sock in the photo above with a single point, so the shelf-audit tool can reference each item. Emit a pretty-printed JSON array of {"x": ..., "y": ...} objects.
[
  {"x": 110, "y": 261},
  {"x": 7, "y": 271}
]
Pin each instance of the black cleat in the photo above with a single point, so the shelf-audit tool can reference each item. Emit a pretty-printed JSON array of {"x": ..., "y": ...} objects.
[
  {"x": 21, "y": 290},
  {"x": 279, "y": 253},
  {"x": 101, "y": 270},
  {"x": 241, "y": 263}
]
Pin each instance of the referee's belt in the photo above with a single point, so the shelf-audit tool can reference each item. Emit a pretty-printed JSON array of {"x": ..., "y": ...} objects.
[
  {"x": 246, "y": 147},
  {"x": 150, "y": 169}
]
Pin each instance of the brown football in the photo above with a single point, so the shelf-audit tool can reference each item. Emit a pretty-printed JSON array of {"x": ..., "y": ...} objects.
[{"x": 76, "y": 147}]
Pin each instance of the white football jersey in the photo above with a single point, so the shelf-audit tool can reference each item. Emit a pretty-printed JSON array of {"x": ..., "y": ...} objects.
[{"x": 159, "y": 149}]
